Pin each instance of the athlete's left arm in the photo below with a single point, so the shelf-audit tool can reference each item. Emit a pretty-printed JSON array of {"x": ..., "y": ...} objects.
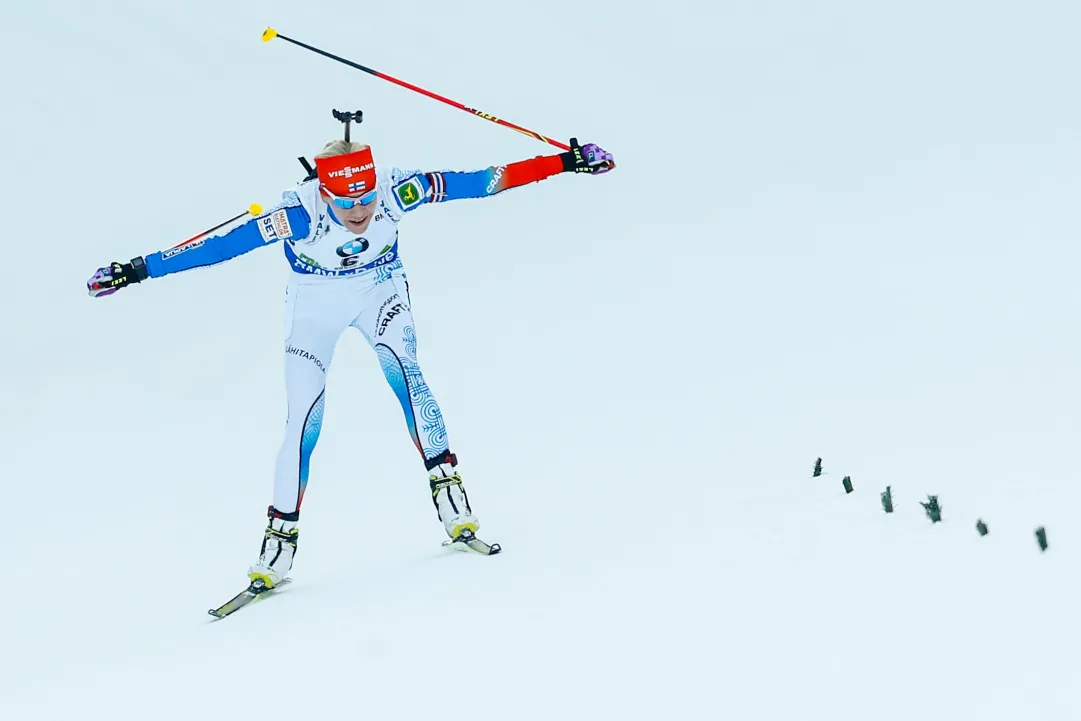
[{"x": 416, "y": 189}]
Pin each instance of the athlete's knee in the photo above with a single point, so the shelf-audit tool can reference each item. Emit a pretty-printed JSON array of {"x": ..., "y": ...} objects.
[
  {"x": 391, "y": 363},
  {"x": 305, "y": 415}
]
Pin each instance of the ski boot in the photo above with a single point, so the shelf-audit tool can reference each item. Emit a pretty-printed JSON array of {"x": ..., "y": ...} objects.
[
  {"x": 452, "y": 506},
  {"x": 279, "y": 547}
]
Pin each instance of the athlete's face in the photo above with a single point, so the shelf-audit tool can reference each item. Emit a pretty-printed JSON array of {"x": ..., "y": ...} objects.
[{"x": 355, "y": 219}]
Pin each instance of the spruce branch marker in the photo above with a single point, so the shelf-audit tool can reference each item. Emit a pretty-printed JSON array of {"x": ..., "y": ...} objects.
[
  {"x": 847, "y": 483},
  {"x": 887, "y": 500},
  {"x": 981, "y": 527},
  {"x": 818, "y": 469},
  {"x": 1041, "y": 538},
  {"x": 933, "y": 510}
]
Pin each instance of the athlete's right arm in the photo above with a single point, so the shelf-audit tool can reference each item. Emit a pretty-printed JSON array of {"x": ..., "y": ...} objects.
[
  {"x": 288, "y": 220},
  {"x": 285, "y": 221}
]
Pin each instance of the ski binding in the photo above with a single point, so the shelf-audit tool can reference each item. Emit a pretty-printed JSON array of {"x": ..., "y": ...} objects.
[
  {"x": 466, "y": 541},
  {"x": 256, "y": 591}
]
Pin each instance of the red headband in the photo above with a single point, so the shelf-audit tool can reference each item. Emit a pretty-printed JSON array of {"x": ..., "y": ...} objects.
[{"x": 347, "y": 174}]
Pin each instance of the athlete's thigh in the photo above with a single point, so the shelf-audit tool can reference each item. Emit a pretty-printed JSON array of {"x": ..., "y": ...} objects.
[
  {"x": 315, "y": 317},
  {"x": 387, "y": 318}
]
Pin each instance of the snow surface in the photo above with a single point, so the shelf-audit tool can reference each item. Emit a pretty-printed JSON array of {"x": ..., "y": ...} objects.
[{"x": 837, "y": 229}]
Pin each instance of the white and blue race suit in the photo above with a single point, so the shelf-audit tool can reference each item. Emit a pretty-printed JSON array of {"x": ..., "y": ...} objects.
[{"x": 343, "y": 280}]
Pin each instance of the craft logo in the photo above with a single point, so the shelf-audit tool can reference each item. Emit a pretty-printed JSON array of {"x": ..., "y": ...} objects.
[
  {"x": 395, "y": 310},
  {"x": 349, "y": 171},
  {"x": 386, "y": 302},
  {"x": 495, "y": 179},
  {"x": 167, "y": 254}
]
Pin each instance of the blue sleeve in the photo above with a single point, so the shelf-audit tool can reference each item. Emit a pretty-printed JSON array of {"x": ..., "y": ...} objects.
[
  {"x": 418, "y": 188},
  {"x": 283, "y": 222}
]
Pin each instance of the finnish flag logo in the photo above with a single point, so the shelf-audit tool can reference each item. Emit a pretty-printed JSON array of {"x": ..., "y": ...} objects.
[{"x": 357, "y": 186}]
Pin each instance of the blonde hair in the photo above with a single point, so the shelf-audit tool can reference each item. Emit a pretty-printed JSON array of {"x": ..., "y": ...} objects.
[{"x": 340, "y": 147}]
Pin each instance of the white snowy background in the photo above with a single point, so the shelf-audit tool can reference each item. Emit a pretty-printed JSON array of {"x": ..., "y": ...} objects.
[{"x": 839, "y": 229}]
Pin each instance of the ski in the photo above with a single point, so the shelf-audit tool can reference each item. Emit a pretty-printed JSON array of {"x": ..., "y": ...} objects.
[
  {"x": 468, "y": 542},
  {"x": 258, "y": 590},
  {"x": 251, "y": 594}
]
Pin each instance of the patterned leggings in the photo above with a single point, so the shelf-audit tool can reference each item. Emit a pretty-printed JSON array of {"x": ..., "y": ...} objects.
[{"x": 318, "y": 310}]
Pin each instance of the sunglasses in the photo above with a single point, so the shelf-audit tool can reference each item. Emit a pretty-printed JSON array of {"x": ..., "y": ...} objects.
[{"x": 346, "y": 202}]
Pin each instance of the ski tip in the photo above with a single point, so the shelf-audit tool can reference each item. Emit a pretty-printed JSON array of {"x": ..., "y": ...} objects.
[{"x": 269, "y": 34}]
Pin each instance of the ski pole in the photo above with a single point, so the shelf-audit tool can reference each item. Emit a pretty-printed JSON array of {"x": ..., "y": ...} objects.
[
  {"x": 254, "y": 209},
  {"x": 270, "y": 33}
]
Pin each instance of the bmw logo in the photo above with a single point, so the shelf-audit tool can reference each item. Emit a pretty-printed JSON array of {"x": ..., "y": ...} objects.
[{"x": 352, "y": 247}]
